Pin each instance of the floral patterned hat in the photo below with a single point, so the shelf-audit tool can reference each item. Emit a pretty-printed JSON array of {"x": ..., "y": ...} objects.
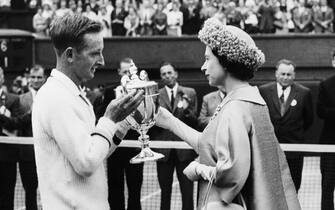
[{"x": 231, "y": 42}]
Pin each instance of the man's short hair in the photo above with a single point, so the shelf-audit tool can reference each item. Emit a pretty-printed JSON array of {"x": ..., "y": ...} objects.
[
  {"x": 36, "y": 67},
  {"x": 68, "y": 31},
  {"x": 126, "y": 60},
  {"x": 166, "y": 63},
  {"x": 286, "y": 62}
]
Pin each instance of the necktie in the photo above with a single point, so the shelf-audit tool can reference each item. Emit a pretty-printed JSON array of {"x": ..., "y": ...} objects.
[
  {"x": 282, "y": 102},
  {"x": 172, "y": 99}
]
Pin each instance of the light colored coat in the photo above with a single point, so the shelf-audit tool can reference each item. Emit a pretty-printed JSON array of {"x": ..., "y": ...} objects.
[{"x": 240, "y": 143}]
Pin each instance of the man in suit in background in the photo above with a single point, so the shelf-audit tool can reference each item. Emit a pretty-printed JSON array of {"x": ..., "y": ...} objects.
[
  {"x": 27, "y": 163},
  {"x": 9, "y": 106},
  {"x": 326, "y": 111},
  {"x": 210, "y": 102},
  {"x": 22, "y": 123},
  {"x": 118, "y": 165},
  {"x": 291, "y": 111},
  {"x": 181, "y": 102}
]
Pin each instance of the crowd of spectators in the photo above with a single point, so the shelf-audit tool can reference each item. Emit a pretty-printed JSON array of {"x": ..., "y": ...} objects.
[{"x": 185, "y": 17}]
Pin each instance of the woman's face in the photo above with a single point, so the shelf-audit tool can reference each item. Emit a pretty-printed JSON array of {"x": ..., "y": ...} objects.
[{"x": 214, "y": 71}]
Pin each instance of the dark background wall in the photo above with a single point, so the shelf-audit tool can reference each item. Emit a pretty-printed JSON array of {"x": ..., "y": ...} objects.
[{"x": 311, "y": 53}]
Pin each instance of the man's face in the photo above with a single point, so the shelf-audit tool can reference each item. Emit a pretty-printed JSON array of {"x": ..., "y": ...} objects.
[
  {"x": 86, "y": 61},
  {"x": 124, "y": 68},
  {"x": 36, "y": 78},
  {"x": 168, "y": 76},
  {"x": 285, "y": 74},
  {"x": 333, "y": 62}
]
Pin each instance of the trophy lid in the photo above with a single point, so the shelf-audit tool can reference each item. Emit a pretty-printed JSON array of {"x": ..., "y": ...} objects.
[{"x": 136, "y": 84}]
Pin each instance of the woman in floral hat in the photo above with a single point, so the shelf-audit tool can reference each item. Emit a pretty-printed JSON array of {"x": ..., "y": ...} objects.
[{"x": 238, "y": 150}]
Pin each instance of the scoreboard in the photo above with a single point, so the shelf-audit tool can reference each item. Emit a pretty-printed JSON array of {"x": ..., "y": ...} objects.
[{"x": 16, "y": 50}]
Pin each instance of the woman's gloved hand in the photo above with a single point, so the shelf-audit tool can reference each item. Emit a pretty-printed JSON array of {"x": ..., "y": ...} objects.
[
  {"x": 206, "y": 172},
  {"x": 164, "y": 118}
]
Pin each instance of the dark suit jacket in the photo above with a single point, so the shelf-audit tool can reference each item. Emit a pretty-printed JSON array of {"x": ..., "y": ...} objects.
[
  {"x": 298, "y": 115},
  {"x": 22, "y": 123},
  {"x": 26, "y": 152},
  {"x": 188, "y": 116},
  {"x": 9, "y": 152},
  {"x": 326, "y": 110}
]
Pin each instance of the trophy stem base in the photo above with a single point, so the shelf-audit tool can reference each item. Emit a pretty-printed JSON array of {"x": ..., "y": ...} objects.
[{"x": 145, "y": 155}]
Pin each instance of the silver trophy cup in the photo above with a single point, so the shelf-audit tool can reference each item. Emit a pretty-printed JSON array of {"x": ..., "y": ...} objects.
[{"x": 143, "y": 118}]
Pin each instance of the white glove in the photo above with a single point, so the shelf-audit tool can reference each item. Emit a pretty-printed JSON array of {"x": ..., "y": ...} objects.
[
  {"x": 164, "y": 118},
  {"x": 206, "y": 172}
]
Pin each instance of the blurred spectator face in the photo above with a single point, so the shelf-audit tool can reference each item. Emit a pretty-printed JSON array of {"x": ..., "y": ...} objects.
[
  {"x": 160, "y": 7},
  {"x": 103, "y": 10},
  {"x": 63, "y": 4},
  {"x": 175, "y": 6},
  {"x": 190, "y": 2},
  {"x": 165, "y": 2},
  {"x": 323, "y": 2},
  {"x": 131, "y": 10},
  {"x": 146, "y": 3},
  {"x": 118, "y": 3},
  {"x": 72, "y": 5},
  {"x": 285, "y": 74},
  {"x": 168, "y": 75},
  {"x": 333, "y": 62},
  {"x": 46, "y": 7},
  {"x": 88, "y": 8},
  {"x": 124, "y": 68},
  {"x": 54, "y": 7},
  {"x": 36, "y": 78}
]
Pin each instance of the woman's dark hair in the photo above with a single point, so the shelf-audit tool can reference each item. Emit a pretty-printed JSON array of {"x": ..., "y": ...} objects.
[
  {"x": 69, "y": 30},
  {"x": 237, "y": 70}
]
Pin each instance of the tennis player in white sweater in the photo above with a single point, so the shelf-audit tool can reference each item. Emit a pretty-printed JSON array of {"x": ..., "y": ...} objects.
[{"x": 69, "y": 147}]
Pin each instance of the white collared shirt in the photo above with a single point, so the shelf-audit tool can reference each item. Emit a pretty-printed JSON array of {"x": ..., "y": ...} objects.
[
  {"x": 168, "y": 90},
  {"x": 222, "y": 95},
  {"x": 286, "y": 91}
]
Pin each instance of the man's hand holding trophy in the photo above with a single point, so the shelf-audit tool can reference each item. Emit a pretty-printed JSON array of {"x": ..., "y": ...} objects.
[{"x": 143, "y": 118}]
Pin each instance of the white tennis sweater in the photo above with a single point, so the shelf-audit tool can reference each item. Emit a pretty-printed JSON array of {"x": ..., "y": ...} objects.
[{"x": 69, "y": 160}]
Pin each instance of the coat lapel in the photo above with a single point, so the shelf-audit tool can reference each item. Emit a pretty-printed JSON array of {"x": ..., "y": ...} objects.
[{"x": 275, "y": 97}]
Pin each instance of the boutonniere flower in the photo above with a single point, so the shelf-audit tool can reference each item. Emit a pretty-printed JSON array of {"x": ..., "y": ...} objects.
[
  {"x": 294, "y": 102},
  {"x": 180, "y": 104}
]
